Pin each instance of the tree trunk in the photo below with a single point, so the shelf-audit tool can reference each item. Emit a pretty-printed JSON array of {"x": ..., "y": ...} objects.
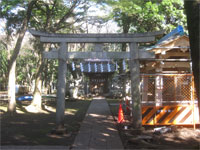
[
  {"x": 37, "y": 94},
  {"x": 12, "y": 62},
  {"x": 12, "y": 65},
  {"x": 193, "y": 20},
  {"x": 11, "y": 90}
]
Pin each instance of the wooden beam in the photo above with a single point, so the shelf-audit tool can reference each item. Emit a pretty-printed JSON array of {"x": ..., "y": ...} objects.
[
  {"x": 135, "y": 86},
  {"x": 62, "y": 69},
  {"x": 176, "y": 65},
  {"x": 166, "y": 60},
  {"x": 97, "y": 55},
  {"x": 172, "y": 54},
  {"x": 97, "y": 39}
]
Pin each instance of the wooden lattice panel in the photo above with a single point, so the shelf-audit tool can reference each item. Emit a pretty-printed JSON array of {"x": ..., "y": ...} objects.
[{"x": 171, "y": 88}]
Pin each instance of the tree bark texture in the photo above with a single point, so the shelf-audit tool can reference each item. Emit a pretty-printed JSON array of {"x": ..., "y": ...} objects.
[
  {"x": 37, "y": 94},
  {"x": 11, "y": 90},
  {"x": 11, "y": 69},
  {"x": 192, "y": 8}
]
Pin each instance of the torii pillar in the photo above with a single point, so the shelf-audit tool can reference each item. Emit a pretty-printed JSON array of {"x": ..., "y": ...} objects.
[
  {"x": 61, "y": 85},
  {"x": 135, "y": 85}
]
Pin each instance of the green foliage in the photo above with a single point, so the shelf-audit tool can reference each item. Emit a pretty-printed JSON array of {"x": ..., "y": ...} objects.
[
  {"x": 13, "y": 11},
  {"x": 27, "y": 62},
  {"x": 26, "y": 67},
  {"x": 49, "y": 75},
  {"x": 3, "y": 66},
  {"x": 147, "y": 15}
]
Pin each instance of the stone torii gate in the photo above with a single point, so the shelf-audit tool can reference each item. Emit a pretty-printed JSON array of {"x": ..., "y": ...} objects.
[{"x": 63, "y": 55}]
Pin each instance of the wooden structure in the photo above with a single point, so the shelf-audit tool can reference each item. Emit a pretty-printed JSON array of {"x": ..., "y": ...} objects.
[
  {"x": 63, "y": 55},
  {"x": 171, "y": 56},
  {"x": 167, "y": 91}
]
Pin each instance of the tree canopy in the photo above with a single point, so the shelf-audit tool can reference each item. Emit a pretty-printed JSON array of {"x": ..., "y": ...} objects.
[{"x": 147, "y": 15}]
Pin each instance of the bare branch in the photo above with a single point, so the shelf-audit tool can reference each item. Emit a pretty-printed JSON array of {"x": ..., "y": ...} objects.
[{"x": 67, "y": 15}]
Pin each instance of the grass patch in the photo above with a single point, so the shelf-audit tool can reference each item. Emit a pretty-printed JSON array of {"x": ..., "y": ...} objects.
[{"x": 34, "y": 129}]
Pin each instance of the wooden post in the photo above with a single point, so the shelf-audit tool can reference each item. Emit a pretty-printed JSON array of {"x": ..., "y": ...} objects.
[
  {"x": 145, "y": 88},
  {"x": 158, "y": 90},
  {"x": 135, "y": 85},
  {"x": 62, "y": 68},
  {"x": 193, "y": 104},
  {"x": 124, "y": 87}
]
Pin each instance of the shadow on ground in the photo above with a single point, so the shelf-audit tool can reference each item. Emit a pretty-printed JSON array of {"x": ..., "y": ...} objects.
[{"x": 35, "y": 128}]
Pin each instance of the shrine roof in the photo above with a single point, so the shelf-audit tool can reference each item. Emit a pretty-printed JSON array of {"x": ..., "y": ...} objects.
[{"x": 173, "y": 35}]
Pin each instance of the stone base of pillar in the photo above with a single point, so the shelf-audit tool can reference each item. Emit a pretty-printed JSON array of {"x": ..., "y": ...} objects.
[{"x": 60, "y": 131}]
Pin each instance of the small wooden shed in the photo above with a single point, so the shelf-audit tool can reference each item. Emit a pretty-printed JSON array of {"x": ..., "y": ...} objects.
[
  {"x": 167, "y": 91},
  {"x": 173, "y": 56}
]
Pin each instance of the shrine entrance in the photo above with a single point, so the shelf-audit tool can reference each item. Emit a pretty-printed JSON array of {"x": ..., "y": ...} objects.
[
  {"x": 134, "y": 55},
  {"x": 99, "y": 71},
  {"x": 98, "y": 84}
]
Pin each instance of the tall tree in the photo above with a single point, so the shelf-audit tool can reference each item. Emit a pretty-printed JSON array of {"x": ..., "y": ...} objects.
[
  {"x": 7, "y": 8},
  {"x": 192, "y": 8},
  {"x": 53, "y": 16},
  {"x": 147, "y": 15}
]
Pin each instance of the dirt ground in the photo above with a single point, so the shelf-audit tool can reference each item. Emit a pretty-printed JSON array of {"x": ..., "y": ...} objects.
[
  {"x": 177, "y": 137},
  {"x": 34, "y": 129},
  {"x": 169, "y": 137}
]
